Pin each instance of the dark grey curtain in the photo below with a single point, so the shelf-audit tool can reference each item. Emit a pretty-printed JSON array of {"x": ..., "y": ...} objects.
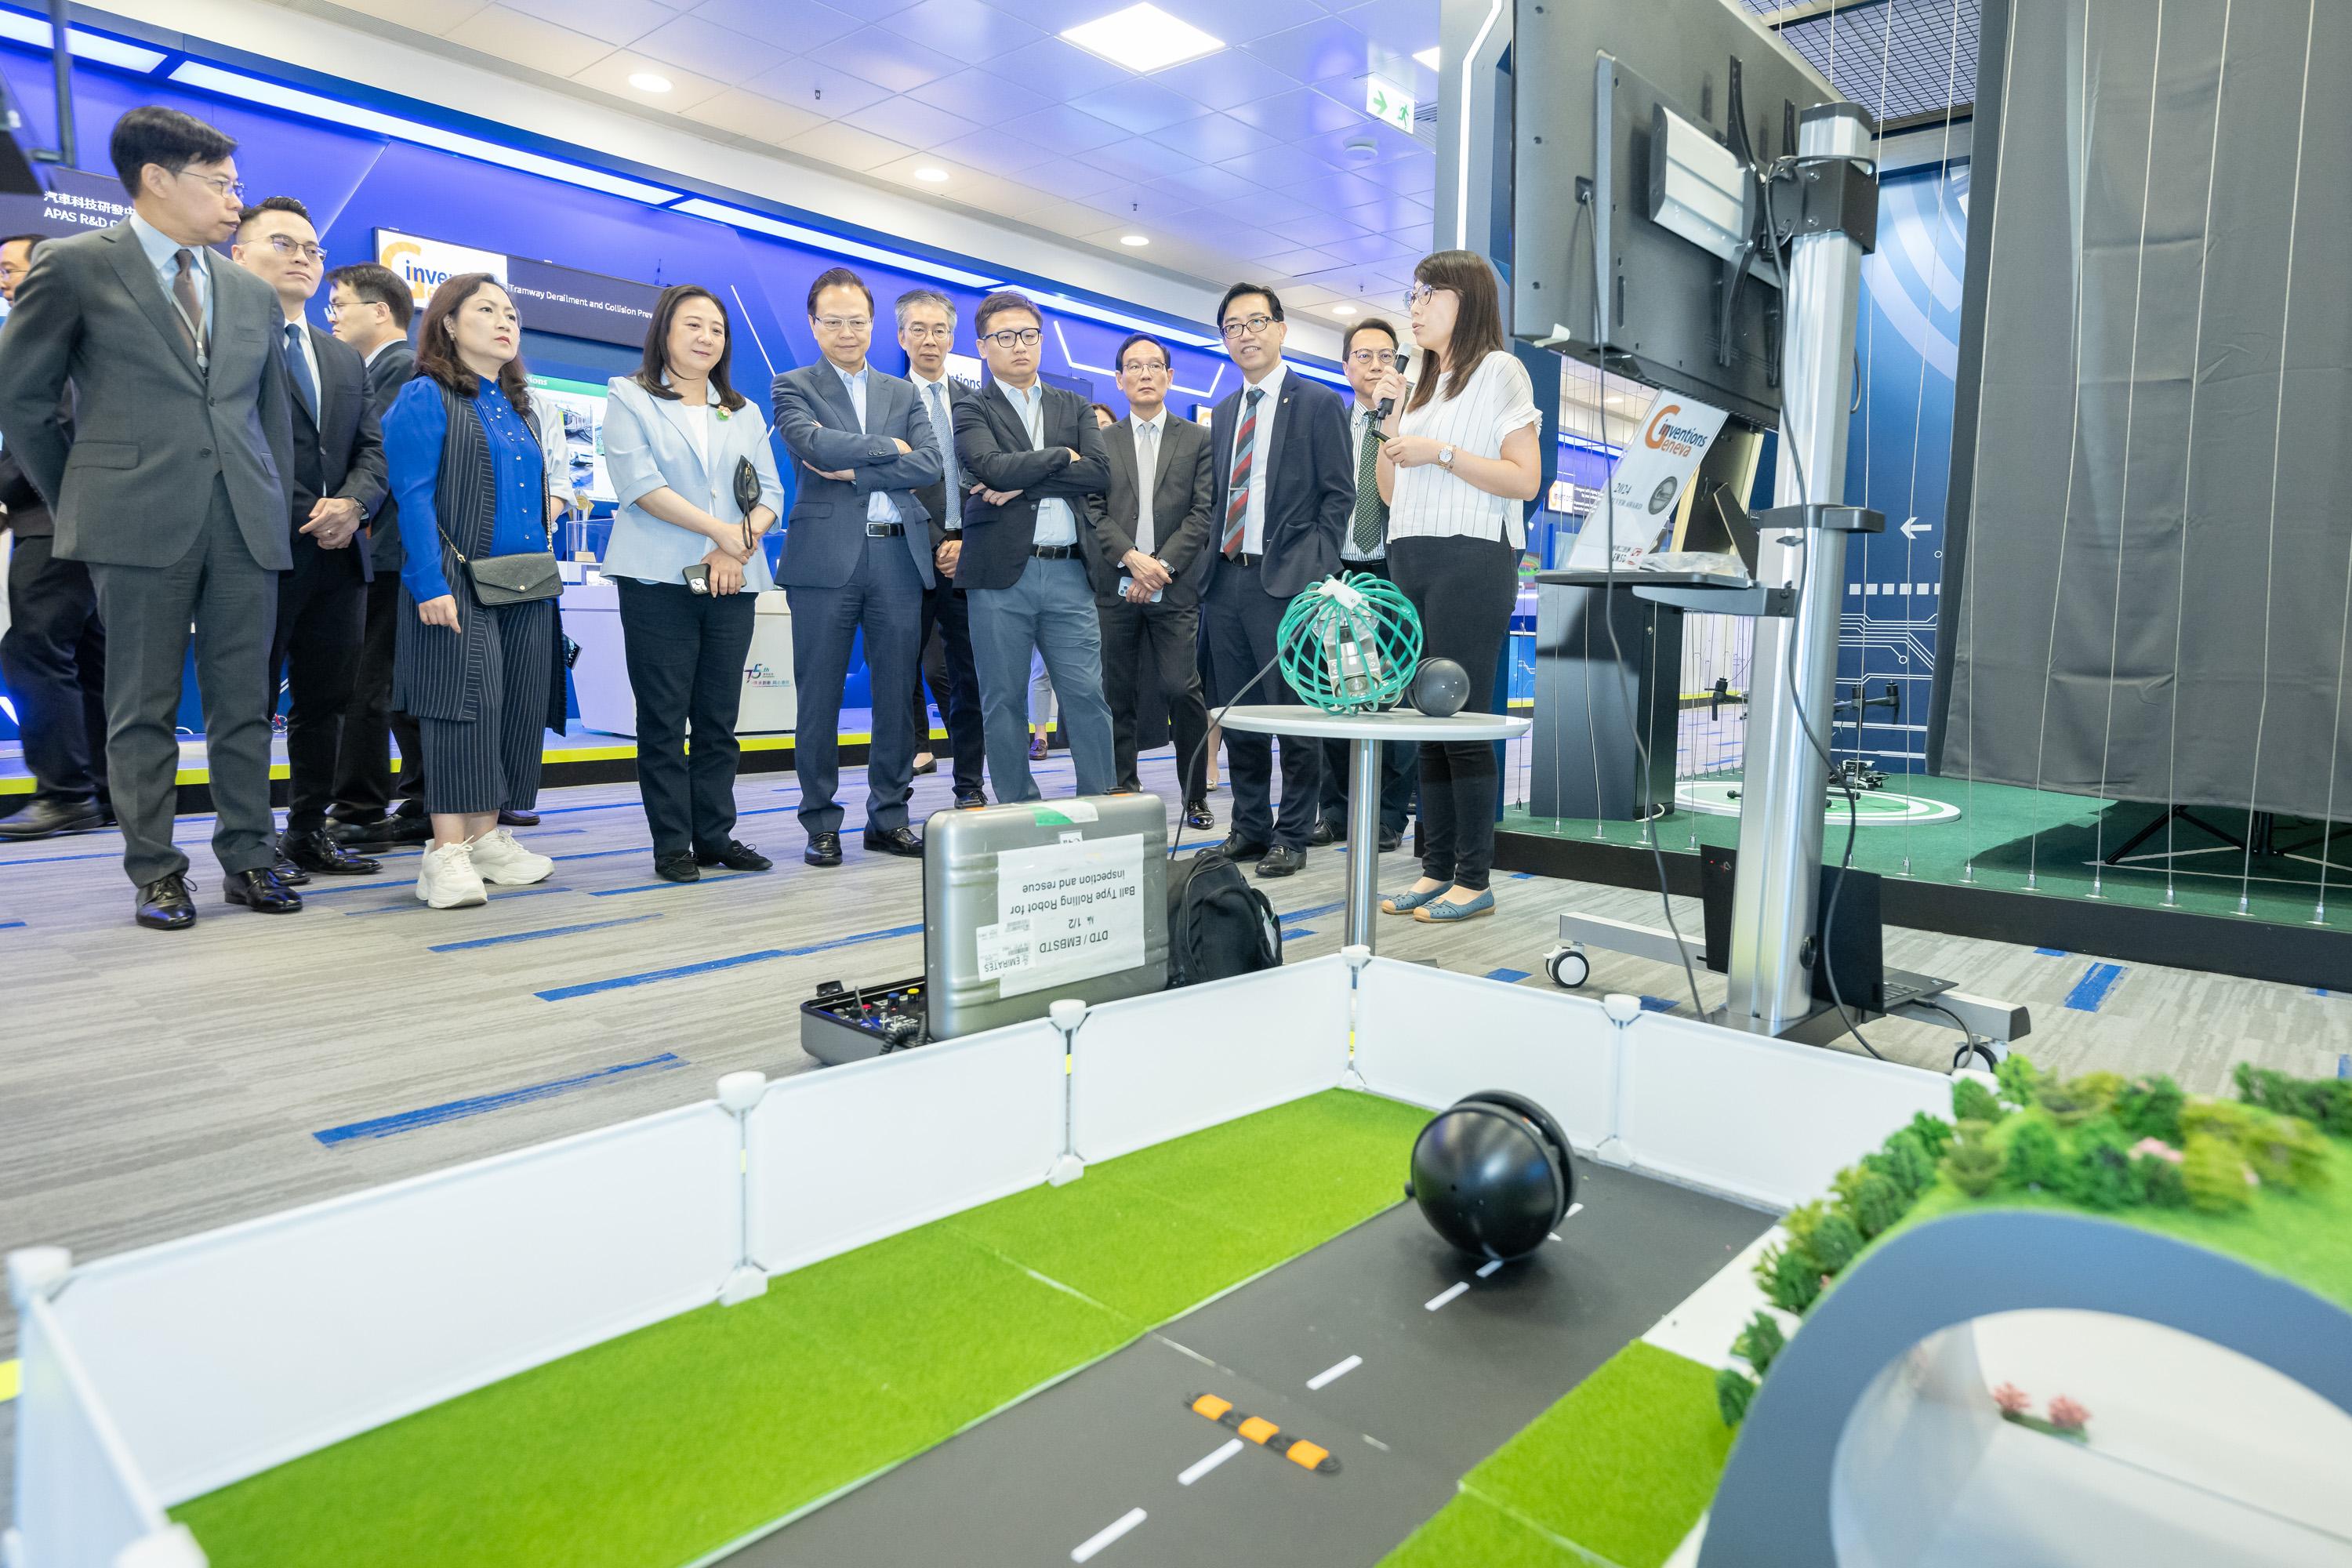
[{"x": 2153, "y": 457}]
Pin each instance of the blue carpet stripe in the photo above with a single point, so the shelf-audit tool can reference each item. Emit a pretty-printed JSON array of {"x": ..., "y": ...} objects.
[
  {"x": 658, "y": 886},
  {"x": 535, "y": 935},
  {"x": 1508, "y": 976},
  {"x": 2343, "y": 1066},
  {"x": 10, "y": 925},
  {"x": 2051, "y": 951},
  {"x": 653, "y": 976},
  {"x": 1659, "y": 1003},
  {"x": 1293, "y": 933},
  {"x": 2092, "y": 990},
  {"x": 601, "y": 854},
  {"x": 433, "y": 1115},
  {"x": 415, "y": 904},
  {"x": 1308, "y": 915}
]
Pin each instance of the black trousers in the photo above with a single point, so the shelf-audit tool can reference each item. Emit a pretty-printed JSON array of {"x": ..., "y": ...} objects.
[
  {"x": 1240, "y": 619},
  {"x": 321, "y": 621},
  {"x": 364, "y": 788},
  {"x": 685, "y": 653},
  {"x": 53, "y": 661},
  {"x": 1155, "y": 645},
  {"x": 491, "y": 762},
  {"x": 1399, "y": 765},
  {"x": 1464, "y": 589},
  {"x": 954, "y": 682}
]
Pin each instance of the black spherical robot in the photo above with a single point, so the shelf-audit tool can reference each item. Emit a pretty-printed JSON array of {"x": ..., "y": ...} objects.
[
  {"x": 1441, "y": 687},
  {"x": 1492, "y": 1174}
]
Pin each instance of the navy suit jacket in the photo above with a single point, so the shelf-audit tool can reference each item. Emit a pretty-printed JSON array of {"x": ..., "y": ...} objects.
[
  {"x": 992, "y": 446},
  {"x": 824, "y": 538},
  {"x": 351, "y": 443},
  {"x": 1311, "y": 481}
]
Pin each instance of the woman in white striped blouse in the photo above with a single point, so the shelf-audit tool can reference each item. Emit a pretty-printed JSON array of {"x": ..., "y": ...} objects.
[{"x": 1458, "y": 458}]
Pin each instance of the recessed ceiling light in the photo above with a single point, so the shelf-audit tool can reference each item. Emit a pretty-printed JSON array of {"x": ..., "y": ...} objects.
[
  {"x": 649, "y": 81},
  {"x": 1135, "y": 240},
  {"x": 1343, "y": 310},
  {"x": 1428, "y": 57},
  {"x": 1143, "y": 39},
  {"x": 931, "y": 176}
]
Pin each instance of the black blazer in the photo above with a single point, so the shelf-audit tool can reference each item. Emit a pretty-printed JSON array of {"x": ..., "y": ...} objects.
[
  {"x": 1311, "y": 483},
  {"x": 993, "y": 446},
  {"x": 351, "y": 441},
  {"x": 1183, "y": 490},
  {"x": 386, "y": 374}
]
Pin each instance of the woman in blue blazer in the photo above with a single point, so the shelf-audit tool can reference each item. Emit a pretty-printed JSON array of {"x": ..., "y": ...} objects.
[{"x": 688, "y": 561}]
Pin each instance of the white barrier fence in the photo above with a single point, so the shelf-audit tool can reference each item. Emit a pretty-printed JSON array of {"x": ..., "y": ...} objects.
[{"x": 161, "y": 1374}]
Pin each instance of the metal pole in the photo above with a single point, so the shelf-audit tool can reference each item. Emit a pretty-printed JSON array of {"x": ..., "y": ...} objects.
[
  {"x": 1363, "y": 838},
  {"x": 1778, "y": 886},
  {"x": 61, "y": 62}
]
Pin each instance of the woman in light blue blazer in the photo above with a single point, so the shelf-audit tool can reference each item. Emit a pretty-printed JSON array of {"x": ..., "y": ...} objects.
[{"x": 688, "y": 561}]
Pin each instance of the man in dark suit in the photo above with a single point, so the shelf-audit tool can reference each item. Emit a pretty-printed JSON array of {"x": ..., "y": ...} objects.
[
  {"x": 857, "y": 555},
  {"x": 1283, "y": 494},
  {"x": 337, "y": 479},
  {"x": 53, "y": 658},
  {"x": 1368, "y": 353},
  {"x": 1033, "y": 454},
  {"x": 369, "y": 307},
  {"x": 173, "y": 492},
  {"x": 1148, "y": 553},
  {"x": 927, "y": 331}
]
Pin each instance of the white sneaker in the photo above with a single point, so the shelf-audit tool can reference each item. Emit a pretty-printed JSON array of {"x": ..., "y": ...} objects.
[
  {"x": 447, "y": 880},
  {"x": 500, "y": 859}
]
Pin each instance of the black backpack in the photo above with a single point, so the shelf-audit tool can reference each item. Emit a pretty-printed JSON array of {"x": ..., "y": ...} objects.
[{"x": 1218, "y": 925}]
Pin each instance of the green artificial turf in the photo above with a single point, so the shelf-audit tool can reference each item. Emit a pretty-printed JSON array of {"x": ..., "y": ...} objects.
[
  {"x": 669, "y": 1443},
  {"x": 1621, "y": 1468}
]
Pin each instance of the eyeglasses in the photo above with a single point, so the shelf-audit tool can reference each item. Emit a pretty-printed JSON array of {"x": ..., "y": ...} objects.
[
  {"x": 1418, "y": 292},
  {"x": 1026, "y": 337},
  {"x": 1383, "y": 358},
  {"x": 844, "y": 323},
  {"x": 220, "y": 182},
  {"x": 923, "y": 334},
  {"x": 287, "y": 245},
  {"x": 1133, "y": 366},
  {"x": 1255, "y": 326}
]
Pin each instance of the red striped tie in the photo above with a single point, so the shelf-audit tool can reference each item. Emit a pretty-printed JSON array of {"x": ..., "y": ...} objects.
[{"x": 1244, "y": 455}]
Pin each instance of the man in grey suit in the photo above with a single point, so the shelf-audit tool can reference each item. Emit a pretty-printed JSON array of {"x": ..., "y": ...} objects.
[
  {"x": 1147, "y": 555},
  {"x": 857, "y": 555},
  {"x": 171, "y": 491}
]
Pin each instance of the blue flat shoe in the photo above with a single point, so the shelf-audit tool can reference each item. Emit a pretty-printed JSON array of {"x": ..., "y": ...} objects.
[
  {"x": 1405, "y": 903},
  {"x": 1436, "y": 914}
]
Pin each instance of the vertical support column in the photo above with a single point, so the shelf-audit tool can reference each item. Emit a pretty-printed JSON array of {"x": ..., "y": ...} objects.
[
  {"x": 738, "y": 1094},
  {"x": 1364, "y": 840},
  {"x": 1068, "y": 1016},
  {"x": 1782, "y": 793}
]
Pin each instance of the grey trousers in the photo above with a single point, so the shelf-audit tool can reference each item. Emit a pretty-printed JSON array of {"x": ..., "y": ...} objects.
[
  {"x": 1052, "y": 611},
  {"x": 233, "y": 601}
]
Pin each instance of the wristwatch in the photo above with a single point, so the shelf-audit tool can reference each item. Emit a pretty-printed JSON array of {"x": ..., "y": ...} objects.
[{"x": 1445, "y": 458}]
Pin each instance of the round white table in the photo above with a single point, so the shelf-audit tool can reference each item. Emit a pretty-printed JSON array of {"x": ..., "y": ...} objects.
[{"x": 1364, "y": 732}]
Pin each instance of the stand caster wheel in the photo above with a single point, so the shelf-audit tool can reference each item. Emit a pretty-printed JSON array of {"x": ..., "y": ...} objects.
[{"x": 1567, "y": 966}]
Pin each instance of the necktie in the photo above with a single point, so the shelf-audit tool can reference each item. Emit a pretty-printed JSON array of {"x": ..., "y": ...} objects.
[
  {"x": 1245, "y": 451},
  {"x": 1372, "y": 524},
  {"x": 1147, "y": 471},
  {"x": 298, "y": 369},
  {"x": 192, "y": 307},
  {"x": 943, "y": 425}
]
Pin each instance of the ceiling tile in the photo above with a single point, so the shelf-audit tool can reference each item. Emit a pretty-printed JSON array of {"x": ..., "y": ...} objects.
[
  {"x": 615, "y": 21},
  {"x": 1408, "y": 220},
  {"x": 786, "y": 24},
  {"x": 709, "y": 49},
  {"x": 612, "y": 75},
  {"x": 1206, "y": 185},
  {"x": 1322, "y": 50},
  {"x": 1213, "y": 138},
  {"x": 1137, "y": 106},
  {"x": 818, "y": 89},
  {"x": 1072, "y": 218},
  {"x": 968, "y": 30},
  {"x": 1407, "y": 26},
  {"x": 1058, "y": 15},
  {"x": 1066, "y": 130},
  {"x": 1139, "y": 159},
  {"x": 1362, "y": 147},
  {"x": 1062, "y": 68},
  {"x": 1299, "y": 112},
  {"x": 846, "y": 146},
  {"x": 904, "y": 120},
  {"x": 437, "y": 17},
  {"x": 980, "y": 94},
  {"x": 1315, "y": 228},
  {"x": 1412, "y": 177},
  {"x": 1138, "y": 205},
  {"x": 749, "y": 114},
  {"x": 1372, "y": 248},
  {"x": 526, "y": 40},
  {"x": 998, "y": 151},
  {"x": 1225, "y": 80},
  {"x": 1297, "y": 263},
  {"x": 1328, "y": 190},
  {"x": 1240, "y": 21},
  {"x": 883, "y": 56}
]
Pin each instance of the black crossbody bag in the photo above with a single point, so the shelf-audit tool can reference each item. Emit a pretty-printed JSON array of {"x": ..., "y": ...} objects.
[{"x": 524, "y": 577}]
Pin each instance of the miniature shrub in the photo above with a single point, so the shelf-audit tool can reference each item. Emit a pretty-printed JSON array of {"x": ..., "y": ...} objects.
[
  {"x": 1935, "y": 1134},
  {"x": 1908, "y": 1162},
  {"x": 1733, "y": 1389},
  {"x": 2160, "y": 1183},
  {"x": 2067, "y": 1104},
  {"x": 2018, "y": 1080},
  {"x": 1834, "y": 1243},
  {"x": 1876, "y": 1205},
  {"x": 1973, "y": 1165},
  {"x": 2098, "y": 1174},
  {"x": 2214, "y": 1174},
  {"x": 1760, "y": 1341},
  {"x": 2151, "y": 1108},
  {"x": 2034, "y": 1160},
  {"x": 1790, "y": 1280},
  {"x": 2287, "y": 1151},
  {"x": 2099, "y": 1088},
  {"x": 1972, "y": 1101}
]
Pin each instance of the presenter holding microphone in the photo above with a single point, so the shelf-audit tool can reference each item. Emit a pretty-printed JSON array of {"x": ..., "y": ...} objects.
[{"x": 1458, "y": 458}]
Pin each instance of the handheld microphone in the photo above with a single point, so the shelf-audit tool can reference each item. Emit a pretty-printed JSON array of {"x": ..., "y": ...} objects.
[{"x": 1403, "y": 358}]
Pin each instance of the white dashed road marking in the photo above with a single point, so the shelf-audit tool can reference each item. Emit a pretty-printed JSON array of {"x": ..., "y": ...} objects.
[{"x": 1330, "y": 1375}]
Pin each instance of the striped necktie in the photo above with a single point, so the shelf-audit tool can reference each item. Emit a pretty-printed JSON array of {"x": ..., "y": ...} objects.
[
  {"x": 1245, "y": 454},
  {"x": 1372, "y": 523},
  {"x": 943, "y": 423},
  {"x": 191, "y": 307}
]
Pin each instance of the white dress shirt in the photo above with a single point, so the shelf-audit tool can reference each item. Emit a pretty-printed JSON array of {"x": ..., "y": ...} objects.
[
  {"x": 1262, "y": 447},
  {"x": 1149, "y": 435},
  {"x": 163, "y": 256},
  {"x": 938, "y": 398},
  {"x": 1359, "y": 428},
  {"x": 1056, "y": 524},
  {"x": 879, "y": 507}
]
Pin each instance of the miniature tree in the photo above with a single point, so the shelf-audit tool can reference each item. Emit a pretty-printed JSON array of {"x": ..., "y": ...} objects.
[
  {"x": 1760, "y": 1341},
  {"x": 1972, "y": 1101},
  {"x": 2330, "y": 1106},
  {"x": 2159, "y": 1182},
  {"x": 1973, "y": 1165},
  {"x": 1734, "y": 1391},
  {"x": 2098, "y": 1174},
  {"x": 1834, "y": 1242},
  {"x": 2099, "y": 1088},
  {"x": 2222, "y": 1118},
  {"x": 1876, "y": 1205},
  {"x": 1935, "y": 1134},
  {"x": 2018, "y": 1080},
  {"x": 2151, "y": 1108},
  {"x": 2067, "y": 1104},
  {"x": 1802, "y": 1221},
  {"x": 2287, "y": 1151},
  {"x": 1908, "y": 1162},
  {"x": 2215, "y": 1174},
  {"x": 2033, "y": 1157},
  {"x": 1790, "y": 1278}
]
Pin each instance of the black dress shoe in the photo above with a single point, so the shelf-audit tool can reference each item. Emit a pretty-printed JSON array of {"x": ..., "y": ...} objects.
[
  {"x": 824, "y": 850},
  {"x": 736, "y": 857},
  {"x": 896, "y": 841},
  {"x": 1234, "y": 849},
  {"x": 1196, "y": 816},
  {"x": 518, "y": 819},
  {"x": 1281, "y": 861},
  {"x": 46, "y": 818},
  {"x": 1323, "y": 833},
  {"x": 164, "y": 905},
  {"x": 319, "y": 852},
  {"x": 973, "y": 802},
  {"x": 261, "y": 891},
  {"x": 289, "y": 874},
  {"x": 931, "y": 767},
  {"x": 1391, "y": 840},
  {"x": 677, "y": 867}
]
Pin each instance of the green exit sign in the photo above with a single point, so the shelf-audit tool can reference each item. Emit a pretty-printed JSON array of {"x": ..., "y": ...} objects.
[{"x": 1387, "y": 103}]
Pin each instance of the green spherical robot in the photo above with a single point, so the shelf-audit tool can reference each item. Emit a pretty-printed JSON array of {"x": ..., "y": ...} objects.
[{"x": 1350, "y": 644}]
